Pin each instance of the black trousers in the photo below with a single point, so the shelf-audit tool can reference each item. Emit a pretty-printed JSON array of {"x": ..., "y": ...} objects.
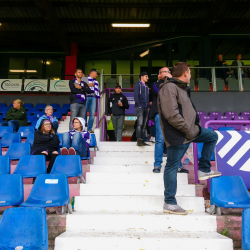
[
  {"x": 142, "y": 118},
  {"x": 50, "y": 157}
]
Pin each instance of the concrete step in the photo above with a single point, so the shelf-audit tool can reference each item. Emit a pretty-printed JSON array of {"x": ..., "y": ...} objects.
[
  {"x": 122, "y": 168},
  {"x": 133, "y": 204},
  {"x": 121, "y": 143},
  {"x": 130, "y": 178},
  {"x": 125, "y": 160},
  {"x": 124, "y": 154},
  {"x": 133, "y": 189},
  {"x": 123, "y": 148},
  {"x": 148, "y": 222},
  {"x": 124, "y": 240}
]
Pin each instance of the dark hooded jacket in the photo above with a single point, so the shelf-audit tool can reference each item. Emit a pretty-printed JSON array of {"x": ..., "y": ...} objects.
[
  {"x": 17, "y": 114},
  {"x": 179, "y": 120}
]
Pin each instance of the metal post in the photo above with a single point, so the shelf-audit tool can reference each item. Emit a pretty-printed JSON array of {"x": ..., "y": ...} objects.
[
  {"x": 240, "y": 79},
  {"x": 120, "y": 80},
  {"x": 101, "y": 81},
  {"x": 98, "y": 111},
  {"x": 214, "y": 80},
  {"x": 196, "y": 167}
]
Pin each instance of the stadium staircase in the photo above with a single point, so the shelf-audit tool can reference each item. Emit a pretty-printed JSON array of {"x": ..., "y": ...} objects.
[{"x": 120, "y": 207}]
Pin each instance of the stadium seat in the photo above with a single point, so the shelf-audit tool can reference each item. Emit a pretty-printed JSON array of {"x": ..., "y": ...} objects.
[
  {"x": 221, "y": 118},
  {"x": 3, "y": 105},
  {"x": 17, "y": 150},
  {"x": 231, "y": 114},
  {"x": 220, "y": 84},
  {"x": 226, "y": 128},
  {"x": 9, "y": 138},
  {"x": 49, "y": 190},
  {"x": 192, "y": 84},
  {"x": 55, "y": 106},
  {"x": 24, "y": 227},
  {"x": 0, "y": 149},
  {"x": 93, "y": 143},
  {"x": 4, "y": 165},
  {"x": 199, "y": 148},
  {"x": 66, "y": 106},
  {"x": 70, "y": 165},
  {"x": 245, "y": 128},
  {"x": 11, "y": 190},
  {"x": 1, "y": 118},
  {"x": 246, "y": 84},
  {"x": 88, "y": 158},
  {"x": 11, "y": 105},
  {"x": 201, "y": 113},
  {"x": 204, "y": 119},
  {"x": 41, "y": 106},
  {"x": 126, "y": 83},
  {"x": 58, "y": 115},
  {"x": 245, "y": 232},
  {"x": 33, "y": 110},
  {"x": 215, "y": 114},
  {"x": 203, "y": 84},
  {"x": 64, "y": 111},
  {"x": 3, "y": 110},
  {"x": 28, "y": 105},
  {"x": 229, "y": 192},
  {"x": 30, "y": 166},
  {"x": 31, "y": 118},
  {"x": 26, "y": 130},
  {"x": 5, "y": 129},
  {"x": 111, "y": 82},
  {"x": 30, "y": 139},
  {"x": 3, "y": 114},
  {"x": 233, "y": 84},
  {"x": 39, "y": 114},
  {"x": 245, "y": 113},
  {"x": 237, "y": 127},
  {"x": 60, "y": 138}
]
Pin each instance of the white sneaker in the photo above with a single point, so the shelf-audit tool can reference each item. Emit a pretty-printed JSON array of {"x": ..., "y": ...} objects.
[{"x": 152, "y": 139}]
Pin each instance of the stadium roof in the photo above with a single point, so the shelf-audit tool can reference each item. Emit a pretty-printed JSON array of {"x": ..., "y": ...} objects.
[{"x": 53, "y": 24}]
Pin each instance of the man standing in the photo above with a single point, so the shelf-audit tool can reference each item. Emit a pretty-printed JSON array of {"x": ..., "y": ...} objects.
[
  {"x": 91, "y": 98},
  {"x": 117, "y": 104},
  {"x": 239, "y": 63},
  {"x": 141, "y": 95},
  {"x": 223, "y": 72},
  {"x": 180, "y": 126},
  {"x": 77, "y": 96}
]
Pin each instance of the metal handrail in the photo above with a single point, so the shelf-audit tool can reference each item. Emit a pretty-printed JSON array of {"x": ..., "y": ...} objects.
[{"x": 98, "y": 109}]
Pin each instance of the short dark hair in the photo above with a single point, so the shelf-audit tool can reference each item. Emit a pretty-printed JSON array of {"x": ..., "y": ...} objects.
[
  {"x": 238, "y": 54},
  {"x": 77, "y": 69},
  {"x": 179, "y": 69}
]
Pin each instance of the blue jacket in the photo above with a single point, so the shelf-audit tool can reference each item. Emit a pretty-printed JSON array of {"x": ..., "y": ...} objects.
[
  {"x": 44, "y": 117},
  {"x": 141, "y": 95}
]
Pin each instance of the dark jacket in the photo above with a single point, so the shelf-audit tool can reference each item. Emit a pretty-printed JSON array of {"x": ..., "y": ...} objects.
[
  {"x": 235, "y": 63},
  {"x": 114, "y": 108},
  {"x": 179, "y": 120},
  {"x": 49, "y": 142},
  {"x": 219, "y": 72},
  {"x": 74, "y": 91},
  {"x": 141, "y": 95},
  {"x": 154, "y": 93},
  {"x": 17, "y": 114}
]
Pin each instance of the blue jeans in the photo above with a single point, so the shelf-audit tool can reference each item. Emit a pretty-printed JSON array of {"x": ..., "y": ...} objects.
[
  {"x": 91, "y": 105},
  {"x": 76, "y": 110},
  {"x": 78, "y": 143},
  {"x": 12, "y": 123},
  {"x": 152, "y": 130},
  {"x": 175, "y": 154}
]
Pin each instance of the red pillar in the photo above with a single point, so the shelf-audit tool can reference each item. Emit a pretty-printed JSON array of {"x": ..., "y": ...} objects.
[{"x": 71, "y": 62}]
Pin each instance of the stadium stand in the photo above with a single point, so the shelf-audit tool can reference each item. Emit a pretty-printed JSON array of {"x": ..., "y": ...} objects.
[{"x": 4, "y": 165}]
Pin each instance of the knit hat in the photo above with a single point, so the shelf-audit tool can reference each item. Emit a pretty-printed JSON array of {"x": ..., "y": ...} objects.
[{"x": 143, "y": 74}]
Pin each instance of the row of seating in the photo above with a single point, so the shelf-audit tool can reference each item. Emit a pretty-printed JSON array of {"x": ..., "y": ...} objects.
[
  {"x": 231, "y": 114},
  {"x": 39, "y": 106}
]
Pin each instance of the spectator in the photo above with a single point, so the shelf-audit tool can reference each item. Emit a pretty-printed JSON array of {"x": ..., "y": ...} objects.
[
  {"x": 48, "y": 115},
  {"x": 223, "y": 72},
  {"x": 46, "y": 142},
  {"x": 180, "y": 126},
  {"x": 91, "y": 97},
  {"x": 77, "y": 96},
  {"x": 117, "y": 104},
  {"x": 239, "y": 63},
  {"x": 16, "y": 116},
  {"x": 76, "y": 141},
  {"x": 110, "y": 131},
  {"x": 141, "y": 95}
]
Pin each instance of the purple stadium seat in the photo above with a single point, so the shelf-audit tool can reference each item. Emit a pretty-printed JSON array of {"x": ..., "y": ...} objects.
[
  {"x": 220, "y": 118},
  {"x": 246, "y": 113},
  {"x": 245, "y": 128},
  {"x": 238, "y": 127},
  {"x": 204, "y": 119},
  {"x": 215, "y": 114},
  {"x": 201, "y": 113},
  {"x": 231, "y": 114}
]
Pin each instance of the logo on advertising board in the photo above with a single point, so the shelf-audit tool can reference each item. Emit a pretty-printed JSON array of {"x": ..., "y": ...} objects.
[
  {"x": 36, "y": 85},
  {"x": 59, "y": 85},
  {"x": 11, "y": 84}
]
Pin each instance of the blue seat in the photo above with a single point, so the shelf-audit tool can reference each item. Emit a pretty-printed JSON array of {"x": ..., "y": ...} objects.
[
  {"x": 30, "y": 139},
  {"x": 55, "y": 106},
  {"x": 0, "y": 149},
  {"x": 26, "y": 130},
  {"x": 58, "y": 115},
  {"x": 39, "y": 114},
  {"x": 9, "y": 138},
  {"x": 229, "y": 192},
  {"x": 93, "y": 143},
  {"x": 17, "y": 150},
  {"x": 66, "y": 106},
  {"x": 31, "y": 118},
  {"x": 5, "y": 129},
  {"x": 4, "y": 114},
  {"x": 4, "y": 165},
  {"x": 226, "y": 128},
  {"x": 28, "y": 105},
  {"x": 33, "y": 124},
  {"x": 30, "y": 166},
  {"x": 70, "y": 165},
  {"x": 11, "y": 105},
  {"x": 41, "y": 106},
  {"x": 88, "y": 158},
  {"x": 1, "y": 118},
  {"x": 3, "y": 105},
  {"x": 11, "y": 190},
  {"x": 60, "y": 138},
  {"x": 4, "y": 109},
  {"x": 199, "y": 148},
  {"x": 33, "y": 110},
  {"x": 26, "y": 227},
  {"x": 49, "y": 190},
  {"x": 64, "y": 111},
  {"x": 245, "y": 233}
]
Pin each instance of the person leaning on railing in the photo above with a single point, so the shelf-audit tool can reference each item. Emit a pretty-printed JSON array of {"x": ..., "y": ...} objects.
[{"x": 16, "y": 116}]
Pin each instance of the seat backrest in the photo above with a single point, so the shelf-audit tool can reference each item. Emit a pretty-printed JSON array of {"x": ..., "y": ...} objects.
[
  {"x": 67, "y": 106},
  {"x": 28, "y": 105},
  {"x": 58, "y": 115},
  {"x": 126, "y": 83},
  {"x": 17, "y": 150},
  {"x": 67, "y": 164},
  {"x": 230, "y": 113},
  {"x": 233, "y": 84},
  {"x": 4, "y": 165},
  {"x": 55, "y": 106},
  {"x": 245, "y": 128},
  {"x": 26, "y": 227},
  {"x": 245, "y": 232},
  {"x": 228, "y": 189},
  {"x": 30, "y": 139},
  {"x": 11, "y": 190},
  {"x": 9, "y": 138},
  {"x": 215, "y": 114},
  {"x": 93, "y": 142},
  {"x": 111, "y": 82},
  {"x": 204, "y": 119},
  {"x": 226, "y": 128},
  {"x": 4, "y": 109},
  {"x": 5, "y": 129},
  {"x": 30, "y": 166},
  {"x": 41, "y": 106},
  {"x": 246, "y": 84},
  {"x": 2, "y": 105},
  {"x": 220, "y": 84},
  {"x": 33, "y": 110},
  {"x": 245, "y": 113},
  {"x": 50, "y": 187},
  {"x": 201, "y": 113},
  {"x": 203, "y": 84},
  {"x": 26, "y": 130}
]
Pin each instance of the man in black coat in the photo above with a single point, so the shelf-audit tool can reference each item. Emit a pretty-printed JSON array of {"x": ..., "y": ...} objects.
[
  {"x": 78, "y": 96},
  {"x": 117, "y": 104}
]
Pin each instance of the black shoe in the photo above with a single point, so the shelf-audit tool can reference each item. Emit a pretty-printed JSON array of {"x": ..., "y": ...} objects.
[
  {"x": 157, "y": 170},
  {"x": 140, "y": 142},
  {"x": 145, "y": 144},
  {"x": 183, "y": 170}
]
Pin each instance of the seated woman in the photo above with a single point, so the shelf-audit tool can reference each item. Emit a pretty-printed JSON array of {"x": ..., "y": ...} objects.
[
  {"x": 48, "y": 115},
  {"x": 16, "y": 116},
  {"x": 76, "y": 141},
  {"x": 46, "y": 143}
]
